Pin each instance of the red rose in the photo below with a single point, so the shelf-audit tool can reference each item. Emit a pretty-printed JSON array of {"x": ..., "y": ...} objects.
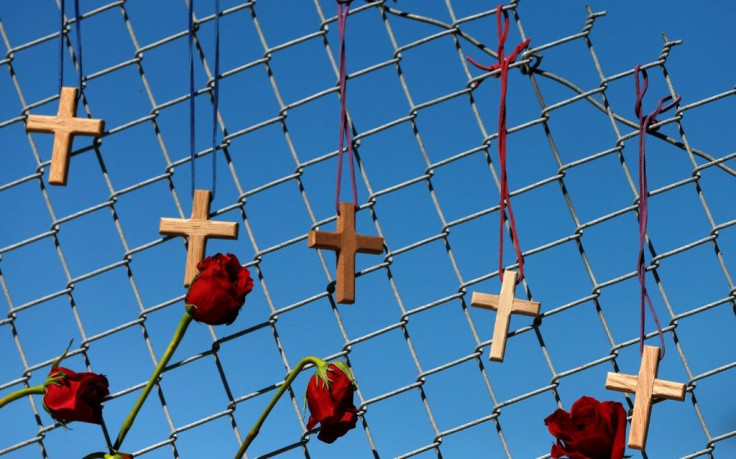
[
  {"x": 330, "y": 400},
  {"x": 591, "y": 430},
  {"x": 218, "y": 292},
  {"x": 75, "y": 396}
]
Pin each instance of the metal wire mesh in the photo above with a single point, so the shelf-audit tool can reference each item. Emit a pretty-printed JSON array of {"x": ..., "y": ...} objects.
[{"x": 383, "y": 189}]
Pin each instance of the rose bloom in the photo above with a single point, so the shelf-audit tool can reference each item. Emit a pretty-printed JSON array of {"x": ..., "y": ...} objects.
[
  {"x": 331, "y": 406},
  {"x": 218, "y": 292},
  {"x": 76, "y": 396},
  {"x": 591, "y": 430}
]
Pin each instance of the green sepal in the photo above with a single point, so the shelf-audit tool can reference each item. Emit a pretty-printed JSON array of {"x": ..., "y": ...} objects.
[
  {"x": 56, "y": 379},
  {"x": 117, "y": 455},
  {"x": 97, "y": 455},
  {"x": 321, "y": 373},
  {"x": 63, "y": 424},
  {"x": 344, "y": 368},
  {"x": 189, "y": 308},
  {"x": 57, "y": 362}
]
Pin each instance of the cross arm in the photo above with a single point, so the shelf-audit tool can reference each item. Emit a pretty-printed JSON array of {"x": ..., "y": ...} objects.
[
  {"x": 621, "y": 383},
  {"x": 208, "y": 228},
  {"x": 523, "y": 307},
  {"x": 324, "y": 240},
  {"x": 485, "y": 301},
  {"x": 669, "y": 390},
  {"x": 661, "y": 389},
  {"x": 52, "y": 124},
  {"x": 369, "y": 244}
]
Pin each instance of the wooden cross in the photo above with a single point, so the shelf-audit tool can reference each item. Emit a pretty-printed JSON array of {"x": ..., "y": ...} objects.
[
  {"x": 645, "y": 386},
  {"x": 198, "y": 228},
  {"x": 346, "y": 242},
  {"x": 504, "y": 304},
  {"x": 65, "y": 125}
]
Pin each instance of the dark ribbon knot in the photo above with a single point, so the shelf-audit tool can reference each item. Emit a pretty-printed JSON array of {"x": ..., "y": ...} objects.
[
  {"x": 646, "y": 122},
  {"x": 503, "y": 61}
]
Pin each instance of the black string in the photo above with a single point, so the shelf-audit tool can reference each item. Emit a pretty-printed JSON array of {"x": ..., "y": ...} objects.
[
  {"x": 77, "y": 48},
  {"x": 191, "y": 93},
  {"x": 215, "y": 96}
]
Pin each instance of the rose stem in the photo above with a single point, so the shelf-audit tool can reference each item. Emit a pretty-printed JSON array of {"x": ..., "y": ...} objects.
[
  {"x": 287, "y": 382},
  {"x": 20, "y": 394},
  {"x": 178, "y": 335}
]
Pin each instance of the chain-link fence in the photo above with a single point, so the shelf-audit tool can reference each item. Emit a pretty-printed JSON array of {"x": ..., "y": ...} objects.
[{"x": 86, "y": 261}]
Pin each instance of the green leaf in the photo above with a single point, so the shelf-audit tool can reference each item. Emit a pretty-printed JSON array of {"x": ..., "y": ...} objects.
[{"x": 57, "y": 362}]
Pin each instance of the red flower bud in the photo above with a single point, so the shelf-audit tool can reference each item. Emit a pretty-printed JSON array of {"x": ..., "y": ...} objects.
[
  {"x": 218, "y": 292},
  {"x": 331, "y": 404},
  {"x": 591, "y": 430},
  {"x": 75, "y": 396}
]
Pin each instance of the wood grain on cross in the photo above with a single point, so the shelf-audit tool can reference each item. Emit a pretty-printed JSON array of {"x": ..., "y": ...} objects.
[
  {"x": 645, "y": 386},
  {"x": 65, "y": 125},
  {"x": 504, "y": 304},
  {"x": 346, "y": 242},
  {"x": 198, "y": 229}
]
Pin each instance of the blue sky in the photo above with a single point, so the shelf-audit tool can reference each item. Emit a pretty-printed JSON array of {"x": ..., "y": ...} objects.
[{"x": 85, "y": 261}]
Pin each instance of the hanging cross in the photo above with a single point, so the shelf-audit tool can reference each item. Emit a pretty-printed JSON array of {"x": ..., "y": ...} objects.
[
  {"x": 645, "y": 386},
  {"x": 504, "y": 304},
  {"x": 65, "y": 125},
  {"x": 198, "y": 229},
  {"x": 346, "y": 242}
]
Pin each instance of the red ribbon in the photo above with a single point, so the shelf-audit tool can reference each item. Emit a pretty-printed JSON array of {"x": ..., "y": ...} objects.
[
  {"x": 505, "y": 201},
  {"x": 645, "y": 124}
]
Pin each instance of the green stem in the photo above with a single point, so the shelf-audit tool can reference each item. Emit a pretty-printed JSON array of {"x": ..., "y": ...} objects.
[
  {"x": 287, "y": 382},
  {"x": 20, "y": 394},
  {"x": 128, "y": 423}
]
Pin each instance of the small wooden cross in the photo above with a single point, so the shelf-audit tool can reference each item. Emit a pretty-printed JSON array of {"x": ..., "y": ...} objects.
[
  {"x": 65, "y": 125},
  {"x": 346, "y": 242},
  {"x": 504, "y": 305},
  {"x": 198, "y": 228},
  {"x": 645, "y": 386}
]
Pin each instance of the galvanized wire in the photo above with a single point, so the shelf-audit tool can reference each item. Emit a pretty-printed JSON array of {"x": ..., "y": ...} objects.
[{"x": 624, "y": 128}]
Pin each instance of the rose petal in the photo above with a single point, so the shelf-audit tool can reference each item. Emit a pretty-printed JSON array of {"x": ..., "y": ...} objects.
[
  {"x": 216, "y": 295},
  {"x": 77, "y": 397},
  {"x": 332, "y": 407},
  {"x": 592, "y": 430}
]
